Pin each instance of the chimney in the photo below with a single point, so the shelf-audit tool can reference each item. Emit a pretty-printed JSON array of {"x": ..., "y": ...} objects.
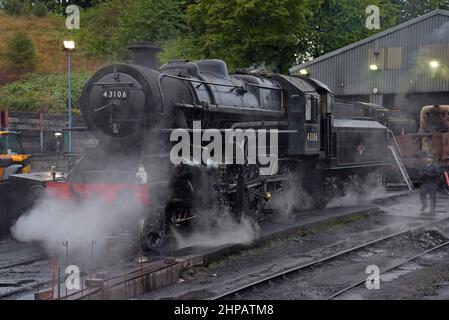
[{"x": 145, "y": 54}]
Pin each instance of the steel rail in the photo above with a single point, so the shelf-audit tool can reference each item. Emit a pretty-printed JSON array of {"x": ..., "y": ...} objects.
[
  {"x": 22, "y": 263},
  {"x": 356, "y": 284},
  {"x": 284, "y": 273}
]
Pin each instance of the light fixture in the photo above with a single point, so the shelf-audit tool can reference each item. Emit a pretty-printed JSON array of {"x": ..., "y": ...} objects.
[
  {"x": 69, "y": 45},
  {"x": 58, "y": 134},
  {"x": 434, "y": 64},
  {"x": 373, "y": 67},
  {"x": 303, "y": 72}
]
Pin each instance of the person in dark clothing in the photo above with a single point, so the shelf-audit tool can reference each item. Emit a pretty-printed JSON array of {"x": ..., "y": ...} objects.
[{"x": 430, "y": 175}]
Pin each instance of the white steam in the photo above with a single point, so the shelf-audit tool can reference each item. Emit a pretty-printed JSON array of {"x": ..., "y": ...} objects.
[
  {"x": 52, "y": 222},
  {"x": 219, "y": 230},
  {"x": 361, "y": 194},
  {"x": 291, "y": 201}
]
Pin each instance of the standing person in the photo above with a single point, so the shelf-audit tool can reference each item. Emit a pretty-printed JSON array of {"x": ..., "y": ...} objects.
[{"x": 430, "y": 175}]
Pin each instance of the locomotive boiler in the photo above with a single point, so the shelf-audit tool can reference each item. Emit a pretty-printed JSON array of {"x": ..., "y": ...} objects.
[{"x": 133, "y": 109}]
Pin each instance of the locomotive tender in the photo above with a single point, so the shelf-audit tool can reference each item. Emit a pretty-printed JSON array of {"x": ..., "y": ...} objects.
[{"x": 133, "y": 108}]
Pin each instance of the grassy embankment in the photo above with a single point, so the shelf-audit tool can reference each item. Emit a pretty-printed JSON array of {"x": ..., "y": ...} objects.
[{"x": 46, "y": 88}]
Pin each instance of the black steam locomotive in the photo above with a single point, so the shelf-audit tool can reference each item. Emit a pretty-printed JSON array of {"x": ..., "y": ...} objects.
[{"x": 133, "y": 109}]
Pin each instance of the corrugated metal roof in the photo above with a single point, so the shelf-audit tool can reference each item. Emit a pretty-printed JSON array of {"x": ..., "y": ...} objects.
[
  {"x": 299, "y": 83},
  {"x": 370, "y": 39},
  {"x": 318, "y": 84}
]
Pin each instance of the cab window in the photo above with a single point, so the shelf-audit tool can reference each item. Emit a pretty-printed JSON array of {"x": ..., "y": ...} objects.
[
  {"x": 309, "y": 109},
  {"x": 10, "y": 144},
  {"x": 312, "y": 110},
  {"x": 329, "y": 102},
  {"x": 315, "y": 109}
]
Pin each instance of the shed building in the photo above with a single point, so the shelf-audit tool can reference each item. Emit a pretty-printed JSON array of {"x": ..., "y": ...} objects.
[{"x": 404, "y": 66}]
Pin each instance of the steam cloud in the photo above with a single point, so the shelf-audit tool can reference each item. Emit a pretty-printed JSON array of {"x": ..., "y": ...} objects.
[
  {"x": 292, "y": 200},
  {"x": 366, "y": 191},
  {"x": 52, "y": 221},
  {"x": 215, "y": 230}
]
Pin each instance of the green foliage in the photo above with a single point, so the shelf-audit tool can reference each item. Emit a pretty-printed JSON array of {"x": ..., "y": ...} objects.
[
  {"x": 14, "y": 7},
  {"x": 25, "y": 7},
  {"x": 336, "y": 23},
  {"x": 36, "y": 7},
  {"x": 99, "y": 33},
  {"x": 409, "y": 9},
  {"x": 181, "y": 47},
  {"x": 274, "y": 34},
  {"x": 110, "y": 27},
  {"x": 39, "y": 9},
  {"x": 150, "y": 20},
  {"x": 59, "y": 6},
  {"x": 249, "y": 32},
  {"x": 47, "y": 93},
  {"x": 20, "y": 53}
]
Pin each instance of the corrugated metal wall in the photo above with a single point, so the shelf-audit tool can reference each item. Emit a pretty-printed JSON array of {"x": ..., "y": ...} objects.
[{"x": 348, "y": 73}]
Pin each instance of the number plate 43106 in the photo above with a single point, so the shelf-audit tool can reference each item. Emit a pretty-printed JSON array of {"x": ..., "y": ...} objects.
[{"x": 115, "y": 94}]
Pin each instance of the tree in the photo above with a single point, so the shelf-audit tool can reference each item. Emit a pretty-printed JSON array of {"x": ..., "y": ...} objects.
[
  {"x": 20, "y": 53},
  {"x": 100, "y": 33},
  {"x": 249, "y": 32},
  {"x": 58, "y": 6},
  {"x": 14, "y": 7},
  {"x": 336, "y": 23},
  {"x": 111, "y": 26},
  {"x": 410, "y": 9},
  {"x": 151, "y": 20},
  {"x": 39, "y": 9}
]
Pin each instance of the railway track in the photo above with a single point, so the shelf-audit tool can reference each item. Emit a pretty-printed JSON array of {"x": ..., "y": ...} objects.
[
  {"x": 356, "y": 284},
  {"x": 282, "y": 276},
  {"x": 21, "y": 276},
  {"x": 22, "y": 263}
]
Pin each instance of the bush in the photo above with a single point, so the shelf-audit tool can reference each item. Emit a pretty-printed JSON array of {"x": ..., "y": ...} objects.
[
  {"x": 14, "y": 7},
  {"x": 47, "y": 93},
  {"x": 39, "y": 9},
  {"x": 20, "y": 53}
]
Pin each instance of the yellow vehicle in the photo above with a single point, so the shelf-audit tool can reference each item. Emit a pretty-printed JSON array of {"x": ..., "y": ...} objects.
[{"x": 13, "y": 159}]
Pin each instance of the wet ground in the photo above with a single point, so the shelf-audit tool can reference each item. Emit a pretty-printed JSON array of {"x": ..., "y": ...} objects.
[
  {"x": 323, "y": 281},
  {"x": 327, "y": 239},
  {"x": 427, "y": 277},
  {"x": 21, "y": 265}
]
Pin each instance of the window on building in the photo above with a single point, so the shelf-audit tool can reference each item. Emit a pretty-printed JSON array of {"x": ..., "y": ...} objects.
[
  {"x": 387, "y": 58},
  {"x": 393, "y": 58}
]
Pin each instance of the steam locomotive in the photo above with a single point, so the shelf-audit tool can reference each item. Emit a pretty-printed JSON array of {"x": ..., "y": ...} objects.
[
  {"x": 432, "y": 138},
  {"x": 133, "y": 109}
]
